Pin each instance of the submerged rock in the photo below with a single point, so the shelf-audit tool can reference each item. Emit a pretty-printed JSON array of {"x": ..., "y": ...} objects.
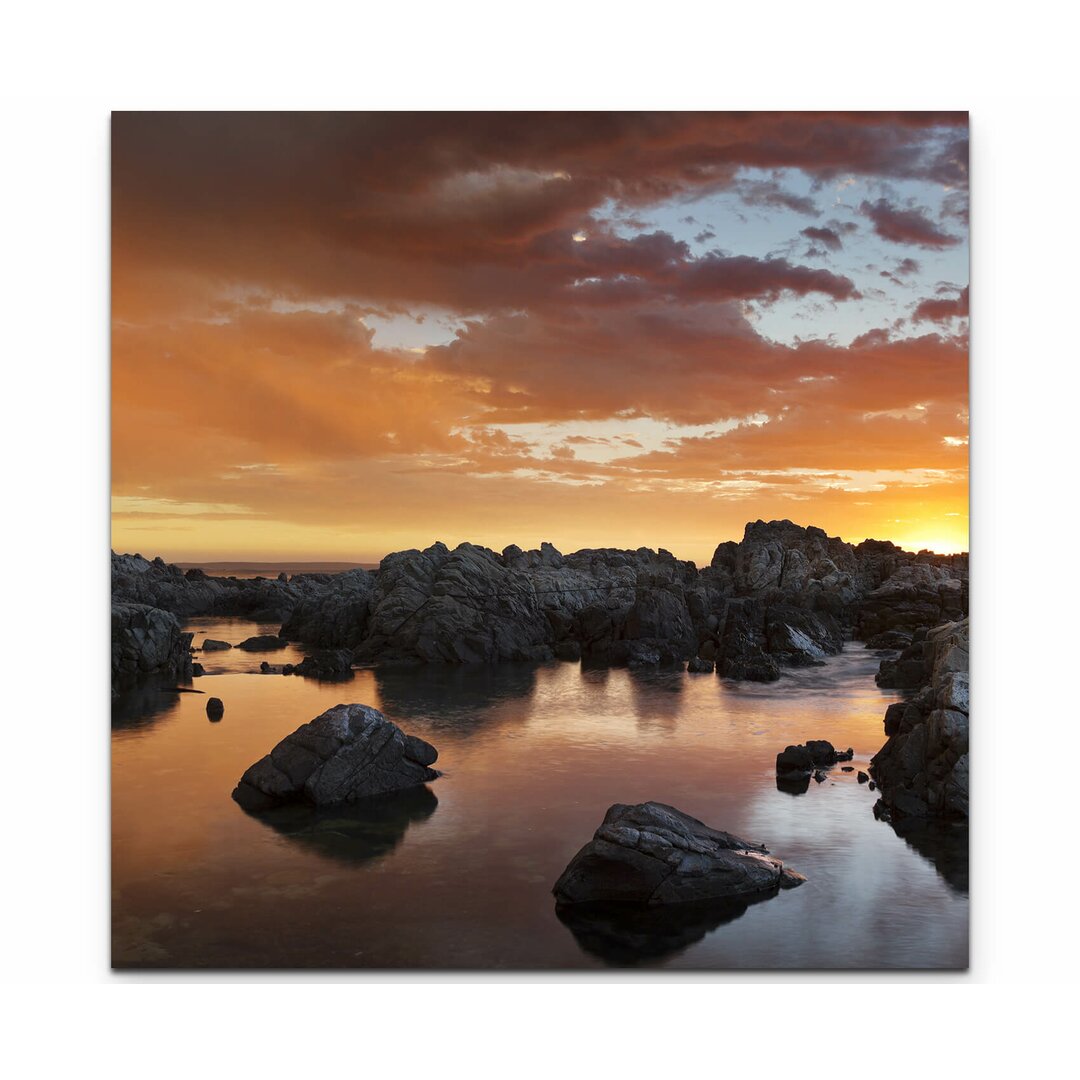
[
  {"x": 350, "y": 752},
  {"x": 654, "y": 854}
]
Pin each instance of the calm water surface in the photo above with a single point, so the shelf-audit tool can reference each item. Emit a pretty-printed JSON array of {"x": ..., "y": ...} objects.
[{"x": 459, "y": 875}]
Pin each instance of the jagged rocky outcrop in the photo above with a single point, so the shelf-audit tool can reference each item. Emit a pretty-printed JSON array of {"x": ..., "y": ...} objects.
[
  {"x": 147, "y": 643},
  {"x": 784, "y": 595},
  {"x": 654, "y": 854},
  {"x": 922, "y": 770},
  {"x": 334, "y": 616},
  {"x": 348, "y": 753},
  {"x": 192, "y": 592}
]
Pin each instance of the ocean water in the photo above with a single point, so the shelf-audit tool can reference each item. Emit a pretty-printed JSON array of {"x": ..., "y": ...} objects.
[{"x": 459, "y": 874}]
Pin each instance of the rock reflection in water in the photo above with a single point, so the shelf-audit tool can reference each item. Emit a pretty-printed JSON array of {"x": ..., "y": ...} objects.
[
  {"x": 145, "y": 705},
  {"x": 356, "y": 833},
  {"x": 943, "y": 844},
  {"x": 459, "y": 695},
  {"x": 629, "y": 935}
]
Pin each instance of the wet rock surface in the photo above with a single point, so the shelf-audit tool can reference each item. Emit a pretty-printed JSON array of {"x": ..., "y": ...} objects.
[
  {"x": 922, "y": 770},
  {"x": 348, "y": 753},
  {"x": 652, "y": 854}
]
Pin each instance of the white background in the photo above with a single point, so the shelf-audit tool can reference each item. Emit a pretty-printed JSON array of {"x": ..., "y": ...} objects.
[{"x": 65, "y": 66}]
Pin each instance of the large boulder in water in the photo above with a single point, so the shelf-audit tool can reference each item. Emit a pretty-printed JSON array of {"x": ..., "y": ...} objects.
[
  {"x": 350, "y": 752},
  {"x": 654, "y": 854}
]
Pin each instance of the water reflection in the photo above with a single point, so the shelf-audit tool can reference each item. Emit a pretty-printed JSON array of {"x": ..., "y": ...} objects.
[
  {"x": 943, "y": 844},
  {"x": 657, "y": 697},
  {"x": 629, "y": 935},
  {"x": 145, "y": 705},
  {"x": 462, "y": 696},
  {"x": 532, "y": 756},
  {"x": 353, "y": 834}
]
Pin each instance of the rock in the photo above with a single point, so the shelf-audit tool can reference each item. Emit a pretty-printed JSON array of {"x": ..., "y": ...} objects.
[
  {"x": 652, "y": 854},
  {"x": 212, "y": 645},
  {"x": 568, "y": 650},
  {"x": 326, "y": 664},
  {"x": 215, "y": 708},
  {"x": 147, "y": 643},
  {"x": 197, "y": 670},
  {"x": 794, "y": 761},
  {"x": 263, "y": 643},
  {"x": 782, "y": 596},
  {"x": 922, "y": 770},
  {"x": 161, "y": 585},
  {"x": 699, "y": 666},
  {"x": 264, "y": 667},
  {"x": 336, "y": 616},
  {"x": 847, "y": 768},
  {"x": 349, "y": 752},
  {"x": 819, "y": 776},
  {"x": 862, "y": 777}
]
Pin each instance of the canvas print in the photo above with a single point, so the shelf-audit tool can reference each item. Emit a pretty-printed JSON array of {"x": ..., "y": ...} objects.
[{"x": 539, "y": 541}]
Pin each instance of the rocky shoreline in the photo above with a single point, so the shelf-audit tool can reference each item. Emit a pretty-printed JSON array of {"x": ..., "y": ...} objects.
[
  {"x": 922, "y": 770},
  {"x": 783, "y": 596}
]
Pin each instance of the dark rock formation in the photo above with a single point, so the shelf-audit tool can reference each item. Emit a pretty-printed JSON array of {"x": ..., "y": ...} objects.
[
  {"x": 215, "y": 708},
  {"x": 922, "y": 770},
  {"x": 797, "y": 762},
  {"x": 348, "y": 753},
  {"x": 336, "y": 616},
  {"x": 211, "y": 645},
  {"x": 784, "y": 595},
  {"x": 325, "y": 664},
  {"x": 162, "y": 585},
  {"x": 263, "y": 643},
  {"x": 147, "y": 642},
  {"x": 917, "y": 595},
  {"x": 654, "y": 854}
]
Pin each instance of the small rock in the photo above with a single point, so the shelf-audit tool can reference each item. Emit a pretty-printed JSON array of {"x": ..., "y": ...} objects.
[
  {"x": 215, "y": 708},
  {"x": 862, "y": 777},
  {"x": 263, "y": 643},
  {"x": 847, "y": 768},
  {"x": 210, "y": 645}
]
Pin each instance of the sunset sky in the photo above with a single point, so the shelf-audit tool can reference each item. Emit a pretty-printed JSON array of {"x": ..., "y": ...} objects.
[{"x": 338, "y": 335}]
